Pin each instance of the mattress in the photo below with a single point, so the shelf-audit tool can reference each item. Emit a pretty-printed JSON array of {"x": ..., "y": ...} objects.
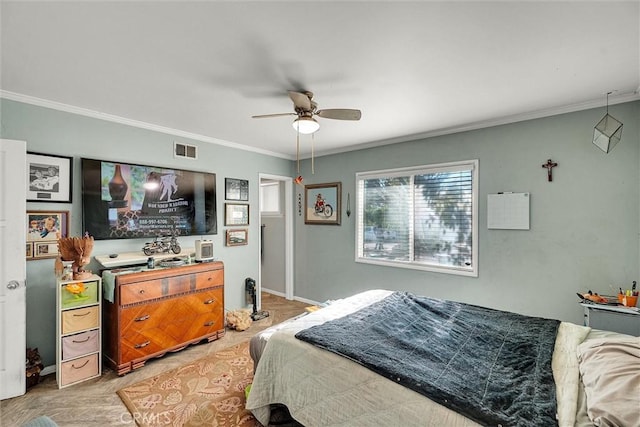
[{"x": 321, "y": 388}]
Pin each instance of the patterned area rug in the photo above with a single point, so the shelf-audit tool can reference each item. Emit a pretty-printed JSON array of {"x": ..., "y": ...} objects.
[{"x": 207, "y": 392}]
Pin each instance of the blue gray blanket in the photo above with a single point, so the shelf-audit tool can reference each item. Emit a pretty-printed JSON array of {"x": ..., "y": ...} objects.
[{"x": 491, "y": 366}]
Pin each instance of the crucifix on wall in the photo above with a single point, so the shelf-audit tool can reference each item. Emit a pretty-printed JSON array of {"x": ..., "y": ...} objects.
[{"x": 550, "y": 165}]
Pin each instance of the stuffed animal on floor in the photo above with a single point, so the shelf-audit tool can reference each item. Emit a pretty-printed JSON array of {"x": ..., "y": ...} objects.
[
  {"x": 239, "y": 320},
  {"x": 33, "y": 367}
]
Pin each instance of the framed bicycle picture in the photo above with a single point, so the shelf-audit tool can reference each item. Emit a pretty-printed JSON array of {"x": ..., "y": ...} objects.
[{"x": 322, "y": 203}]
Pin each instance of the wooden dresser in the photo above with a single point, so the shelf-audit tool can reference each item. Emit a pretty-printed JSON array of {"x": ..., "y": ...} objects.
[{"x": 161, "y": 310}]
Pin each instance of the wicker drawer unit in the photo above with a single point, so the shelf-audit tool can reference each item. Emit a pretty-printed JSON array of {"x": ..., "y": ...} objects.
[
  {"x": 78, "y": 329},
  {"x": 162, "y": 310}
]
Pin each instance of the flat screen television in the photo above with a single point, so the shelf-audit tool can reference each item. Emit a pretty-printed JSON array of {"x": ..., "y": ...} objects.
[{"x": 126, "y": 201}]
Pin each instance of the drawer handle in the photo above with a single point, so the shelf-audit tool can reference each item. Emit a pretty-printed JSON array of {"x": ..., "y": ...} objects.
[
  {"x": 144, "y": 344},
  {"x": 210, "y": 301},
  {"x": 81, "y": 315},
  {"x": 209, "y": 324},
  {"x": 80, "y": 367},
  {"x": 79, "y": 342},
  {"x": 142, "y": 318},
  {"x": 141, "y": 291}
]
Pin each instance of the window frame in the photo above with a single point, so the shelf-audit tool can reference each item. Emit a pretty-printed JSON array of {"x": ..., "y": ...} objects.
[{"x": 411, "y": 171}]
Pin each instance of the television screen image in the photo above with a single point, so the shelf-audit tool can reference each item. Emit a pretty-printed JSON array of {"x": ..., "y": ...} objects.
[{"x": 124, "y": 201}]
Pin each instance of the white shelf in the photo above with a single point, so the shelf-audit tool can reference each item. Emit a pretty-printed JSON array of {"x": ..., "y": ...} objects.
[{"x": 133, "y": 258}]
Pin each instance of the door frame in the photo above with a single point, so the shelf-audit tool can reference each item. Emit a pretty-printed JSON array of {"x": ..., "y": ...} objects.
[{"x": 288, "y": 238}]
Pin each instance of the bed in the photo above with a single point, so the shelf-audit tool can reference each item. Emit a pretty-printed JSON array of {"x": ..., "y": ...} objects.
[{"x": 323, "y": 387}]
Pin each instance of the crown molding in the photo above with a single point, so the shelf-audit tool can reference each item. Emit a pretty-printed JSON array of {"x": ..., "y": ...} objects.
[
  {"x": 538, "y": 114},
  {"x": 130, "y": 122}
]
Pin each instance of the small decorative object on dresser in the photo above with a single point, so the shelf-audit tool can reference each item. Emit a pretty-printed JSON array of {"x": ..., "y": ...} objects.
[
  {"x": 78, "y": 250},
  {"x": 78, "y": 326},
  {"x": 153, "y": 312}
]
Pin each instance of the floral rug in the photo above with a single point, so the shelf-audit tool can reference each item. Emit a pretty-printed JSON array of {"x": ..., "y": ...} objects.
[{"x": 207, "y": 392}]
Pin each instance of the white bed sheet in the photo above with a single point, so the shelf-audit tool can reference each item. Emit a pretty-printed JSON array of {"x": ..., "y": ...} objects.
[{"x": 321, "y": 388}]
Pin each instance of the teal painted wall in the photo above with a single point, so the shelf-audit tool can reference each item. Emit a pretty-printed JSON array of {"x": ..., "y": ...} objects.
[
  {"x": 584, "y": 225},
  {"x": 56, "y": 132}
]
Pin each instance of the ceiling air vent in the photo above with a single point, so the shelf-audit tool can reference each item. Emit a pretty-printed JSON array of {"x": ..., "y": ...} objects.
[{"x": 184, "y": 150}]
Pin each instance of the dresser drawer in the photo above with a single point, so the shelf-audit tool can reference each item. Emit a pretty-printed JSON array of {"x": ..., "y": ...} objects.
[
  {"x": 80, "y": 319},
  {"x": 139, "y": 292},
  {"x": 88, "y": 296},
  {"x": 80, "y": 344},
  {"x": 210, "y": 279},
  {"x": 79, "y": 369}
]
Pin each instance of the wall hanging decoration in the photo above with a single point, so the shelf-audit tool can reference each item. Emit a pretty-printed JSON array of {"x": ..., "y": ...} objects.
[
  {"x": 236, "y": 189},
  {"x": 322, "y": 203},
  {"x": 550, "y": 165},
  {"x": 237, "y": 237},
  {"x": 348, "y": 204},
  {"x": 49, "y": 178},
  {"x": 236, "y": 214},
  {"x": 608, "y": 132},
  {"x": 44, "y": 228}
]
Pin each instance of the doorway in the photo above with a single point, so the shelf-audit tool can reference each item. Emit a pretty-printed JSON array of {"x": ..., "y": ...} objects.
[{"x": 275, "y": 260}]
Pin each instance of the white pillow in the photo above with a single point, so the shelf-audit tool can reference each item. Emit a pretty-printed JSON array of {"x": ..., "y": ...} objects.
[{"x": 610, "y": 371}]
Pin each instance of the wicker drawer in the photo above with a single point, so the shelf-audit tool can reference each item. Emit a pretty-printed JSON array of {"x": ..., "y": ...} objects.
[
  {"x": 80, "y": 344},
  {"x": 79, "y": 369},
  {"x": 80, "y": 319},
  {"x": 88, "y": 296}
]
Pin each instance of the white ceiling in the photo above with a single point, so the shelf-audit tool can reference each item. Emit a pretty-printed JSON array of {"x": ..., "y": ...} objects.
[{"x": 421, "y": 68}]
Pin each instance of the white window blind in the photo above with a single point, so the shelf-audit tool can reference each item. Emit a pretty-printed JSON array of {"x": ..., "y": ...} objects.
[{"x": 422, "y": 217}]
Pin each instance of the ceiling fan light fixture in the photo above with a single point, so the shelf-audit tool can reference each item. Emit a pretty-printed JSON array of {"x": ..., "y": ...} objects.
[{"x": 305, "y": 125}]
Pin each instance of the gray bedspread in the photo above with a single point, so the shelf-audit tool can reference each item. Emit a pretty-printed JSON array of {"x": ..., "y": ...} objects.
[{"x": 491, "y": 366}]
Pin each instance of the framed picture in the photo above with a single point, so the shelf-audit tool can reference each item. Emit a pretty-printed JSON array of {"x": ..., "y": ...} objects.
[
  {"x": 49, "y": 178},
  {"x": 236, "y": 189},
  {"x": 45, "y": 249},
  {"x": 237, "y": 237},
  {"x": 29, "y": 252},
  {"x": 46, "y": 225},
  {"x": 236, "y": 214},
  {"x": 322, "y": 203}
]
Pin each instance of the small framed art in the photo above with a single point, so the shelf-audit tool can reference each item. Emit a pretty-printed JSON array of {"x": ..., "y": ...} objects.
[
  {"x": 49, "y": 178},
  {"x": 236, "y": 214},
  {"x": 44, "y": 228},
  {"x": 237, "y": 237},
  {"x": 322, "y": 203},
  {"x": 236, "y": 189}
]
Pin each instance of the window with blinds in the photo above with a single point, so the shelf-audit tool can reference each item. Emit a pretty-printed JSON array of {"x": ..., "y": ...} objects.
[{"x": 422, "y": 217}]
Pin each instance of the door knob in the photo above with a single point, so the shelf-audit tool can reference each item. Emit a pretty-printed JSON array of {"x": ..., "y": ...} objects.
[{"x": 13, "y": 284}]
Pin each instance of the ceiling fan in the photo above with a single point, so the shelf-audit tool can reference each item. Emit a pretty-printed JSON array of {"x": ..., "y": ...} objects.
[{"x": 306, "y": 108}]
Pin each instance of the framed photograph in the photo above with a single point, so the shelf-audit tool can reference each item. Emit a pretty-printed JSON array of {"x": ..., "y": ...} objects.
[
  {"x": 236, "y": 214},
  {"x": 29, "y": 252},
  {"x": 44, "y": 226},
  {"x": 45, "y": 249},
  {"x": 322, "y": 203},
  {"x": 237, "y": 237},
  {"x": 49, "y": 178},
  {"x": 236, "y": 189}
]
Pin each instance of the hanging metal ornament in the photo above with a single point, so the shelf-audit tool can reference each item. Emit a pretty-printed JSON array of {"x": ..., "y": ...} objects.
[{"x": 348, "y": 204}]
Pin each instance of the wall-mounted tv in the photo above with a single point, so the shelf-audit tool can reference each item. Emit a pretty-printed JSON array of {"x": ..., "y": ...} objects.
[{"x": 126, "y": 201}]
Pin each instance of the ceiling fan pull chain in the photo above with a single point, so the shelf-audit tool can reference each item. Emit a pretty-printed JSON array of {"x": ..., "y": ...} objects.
[
  {"x": 298, "y": 150},
  {"x": 312, "y": 153}
]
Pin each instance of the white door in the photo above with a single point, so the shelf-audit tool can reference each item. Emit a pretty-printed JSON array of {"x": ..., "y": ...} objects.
[{"x": 13, "y": 206}]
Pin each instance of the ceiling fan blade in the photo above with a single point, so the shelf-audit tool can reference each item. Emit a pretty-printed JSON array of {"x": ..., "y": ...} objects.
[
  {"x": 264, "y": 116},
  {"x": 300, "y": 100},
  {"x": 340, "y": 114}
]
